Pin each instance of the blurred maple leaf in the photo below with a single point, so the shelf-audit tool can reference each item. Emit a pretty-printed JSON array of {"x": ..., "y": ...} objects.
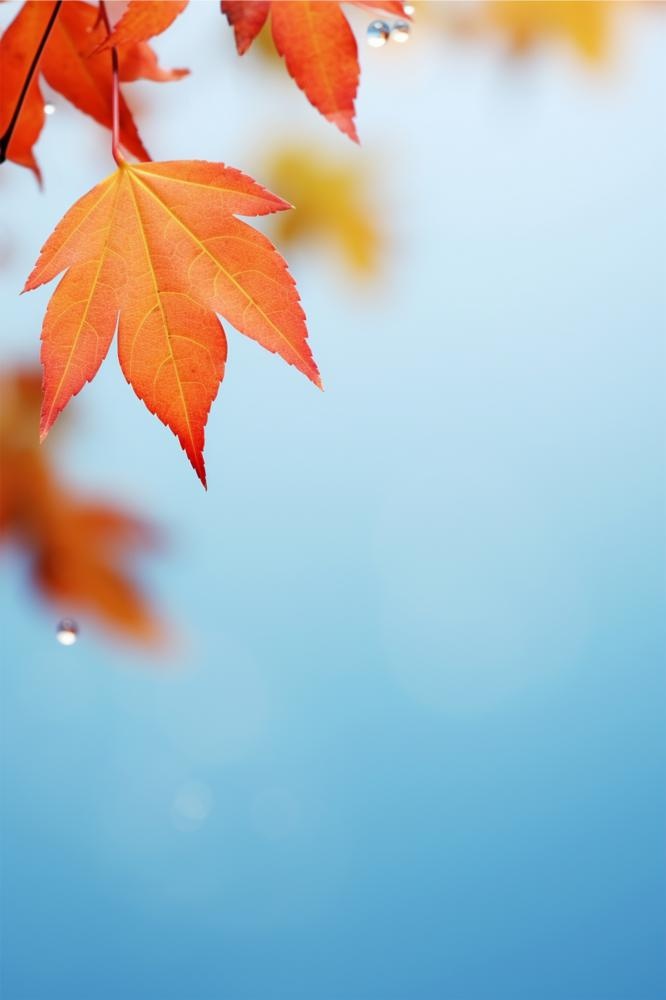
[
  {"x": 331, "y": 203},
  {"x": 526, "y": 23},
  {"x": 78, "y": 549},
  {"x": 584, "y": 24}
]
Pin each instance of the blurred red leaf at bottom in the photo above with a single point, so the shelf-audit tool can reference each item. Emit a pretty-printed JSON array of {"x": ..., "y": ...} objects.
[{"x": 80, "y": 550}]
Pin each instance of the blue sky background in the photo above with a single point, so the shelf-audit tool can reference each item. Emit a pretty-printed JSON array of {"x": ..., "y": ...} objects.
[{"x": 411, "y": 743}]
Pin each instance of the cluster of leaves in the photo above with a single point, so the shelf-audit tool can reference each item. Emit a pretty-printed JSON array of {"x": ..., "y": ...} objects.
[
  {"x": 79, "y": 550},
  {"x": 156, "y": 249},
  {"x": 75, "y": 62}
]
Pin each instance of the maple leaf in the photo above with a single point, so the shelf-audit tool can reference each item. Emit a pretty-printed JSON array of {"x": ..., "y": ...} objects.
[
  {"x": 331, "y": 202},
  {"x": 159, "y": 244},
  {"x": 17, "y": 48},
  {"x": 79, "y": 549},
  {"x": 584, "y": 24},
  {"x": 143, "y": 19},
  {"x": 317, "y": 44},
  {"x": 139, "y": 62},
  {"x": 70, "y": 67},
  {"x": 526, "y": 23}
]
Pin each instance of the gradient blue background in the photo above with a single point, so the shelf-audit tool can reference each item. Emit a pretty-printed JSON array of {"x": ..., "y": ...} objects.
[{"x": 411, "y": 745}]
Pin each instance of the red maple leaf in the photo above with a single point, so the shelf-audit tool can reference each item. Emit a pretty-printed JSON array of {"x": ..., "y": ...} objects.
[{"x": 317, "y": 44}]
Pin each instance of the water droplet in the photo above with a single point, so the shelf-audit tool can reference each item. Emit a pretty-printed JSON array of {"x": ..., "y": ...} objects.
[
  {"x": 67, "y": 632},
  {"x": 400, "y": 32},
  {"x": 408, "y": 9},
  {"x": 49, "y": 108},
  {"x": 378, "y": 34}
]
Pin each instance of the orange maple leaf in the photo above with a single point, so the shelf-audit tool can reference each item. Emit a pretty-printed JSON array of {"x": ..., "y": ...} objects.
[
  {"x": 318, "y": 47},
  {"x": 143, "y": 19},
  {"x": 71, "y": 67},
  {"x": 159, "y": 244},
  {"x": 79, "y": 549}
]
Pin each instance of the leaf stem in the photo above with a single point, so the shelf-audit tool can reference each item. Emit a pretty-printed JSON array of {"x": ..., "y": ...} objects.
[
  {"x": 5, "y": 139},
  {"x": 115, "y": 94}
]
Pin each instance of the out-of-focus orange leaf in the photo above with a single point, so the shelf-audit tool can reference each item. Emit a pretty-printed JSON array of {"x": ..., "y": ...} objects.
[
  {"x": 331, "y": 204},
  {"x": 139, "y": 62},
  {"x": 80, "y": 550}
]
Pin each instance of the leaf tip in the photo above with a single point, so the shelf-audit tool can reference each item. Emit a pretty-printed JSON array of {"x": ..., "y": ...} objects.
[
  {"x": 47, "y": 417},
  {"x": 200, "y": 470},
  {"x": 30, "y": 282},
  {"x": 344, "y": 120}
]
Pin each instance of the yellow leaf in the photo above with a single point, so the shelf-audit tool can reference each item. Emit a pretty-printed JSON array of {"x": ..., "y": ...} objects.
[
  {"x": 332, "y": 205},
  {"x": 526, "y": 24},
  {"x": 585, "y": 25}
]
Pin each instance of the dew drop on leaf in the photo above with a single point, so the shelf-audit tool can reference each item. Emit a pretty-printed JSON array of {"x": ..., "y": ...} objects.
[
  {"x": 67, "y": 632},
  {"x": 49, "y": 108},
  {"x": 378, "y": 34},
  {"x": 400, "y": 32}
]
